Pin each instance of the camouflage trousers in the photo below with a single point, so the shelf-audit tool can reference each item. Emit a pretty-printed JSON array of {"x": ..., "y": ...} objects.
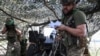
[
  {"x": 76, "y": 51},
  {"x": 13, "y": 49}
]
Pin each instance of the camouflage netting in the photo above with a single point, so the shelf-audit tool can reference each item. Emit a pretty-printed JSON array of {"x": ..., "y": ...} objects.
[{"x": 34, "y": 11}]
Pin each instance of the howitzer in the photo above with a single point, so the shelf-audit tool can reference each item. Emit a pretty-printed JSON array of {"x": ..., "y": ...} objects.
[{"x": 57, "y": 47}]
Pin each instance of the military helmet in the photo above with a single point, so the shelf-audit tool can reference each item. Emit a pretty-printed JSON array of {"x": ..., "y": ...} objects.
[
  {"x": 9, "y": 21},
  {"x": 69, "y": 1}
]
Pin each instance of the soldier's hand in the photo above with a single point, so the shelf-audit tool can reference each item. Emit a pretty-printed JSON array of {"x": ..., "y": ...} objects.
[{"x": 61, "y": 27}]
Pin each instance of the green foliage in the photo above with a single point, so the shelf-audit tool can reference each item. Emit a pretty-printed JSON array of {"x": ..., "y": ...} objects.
[
  {"x": 32, "y": 7},
  {"x": 25, "y": 7}
]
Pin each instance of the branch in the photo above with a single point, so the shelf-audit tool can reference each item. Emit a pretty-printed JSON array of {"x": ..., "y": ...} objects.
[
  {"x": 38, "y": 24},
  {"x": 12, "y": 16},
  {"x": 45, "y": 23},
  {"x": 45, "y": 3},
  {"x": 32, "y": 24}
]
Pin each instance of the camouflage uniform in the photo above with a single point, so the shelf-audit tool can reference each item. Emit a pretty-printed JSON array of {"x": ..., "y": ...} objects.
[
  {"x": 76, "y": 51},
  {"x": 75, "y": 46},
  {"x": 13, "y": 48}
]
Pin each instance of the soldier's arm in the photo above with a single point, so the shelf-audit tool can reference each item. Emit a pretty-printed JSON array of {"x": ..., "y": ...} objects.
[
  {"x": 19, "y": 34},
  {"x": 79, "y": 31},
  {"x": 4, "y": 30},
  {"x": 80, "y": 22}
]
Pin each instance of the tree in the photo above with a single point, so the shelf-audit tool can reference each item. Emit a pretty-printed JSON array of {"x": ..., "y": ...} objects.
[
  {"x": 22, "y": 10},
  {"x": 32, "y": 12}
]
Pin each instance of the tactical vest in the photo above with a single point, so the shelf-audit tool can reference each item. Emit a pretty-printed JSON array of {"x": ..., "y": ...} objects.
[
  {"x": 70, "y": 40},
  {"x": 12, "y": 36}
]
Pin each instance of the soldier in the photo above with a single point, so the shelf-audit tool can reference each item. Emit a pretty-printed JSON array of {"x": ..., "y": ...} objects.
[
  {"x": 13, "y": 38},
  {"x": 73, "y": 28}
]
